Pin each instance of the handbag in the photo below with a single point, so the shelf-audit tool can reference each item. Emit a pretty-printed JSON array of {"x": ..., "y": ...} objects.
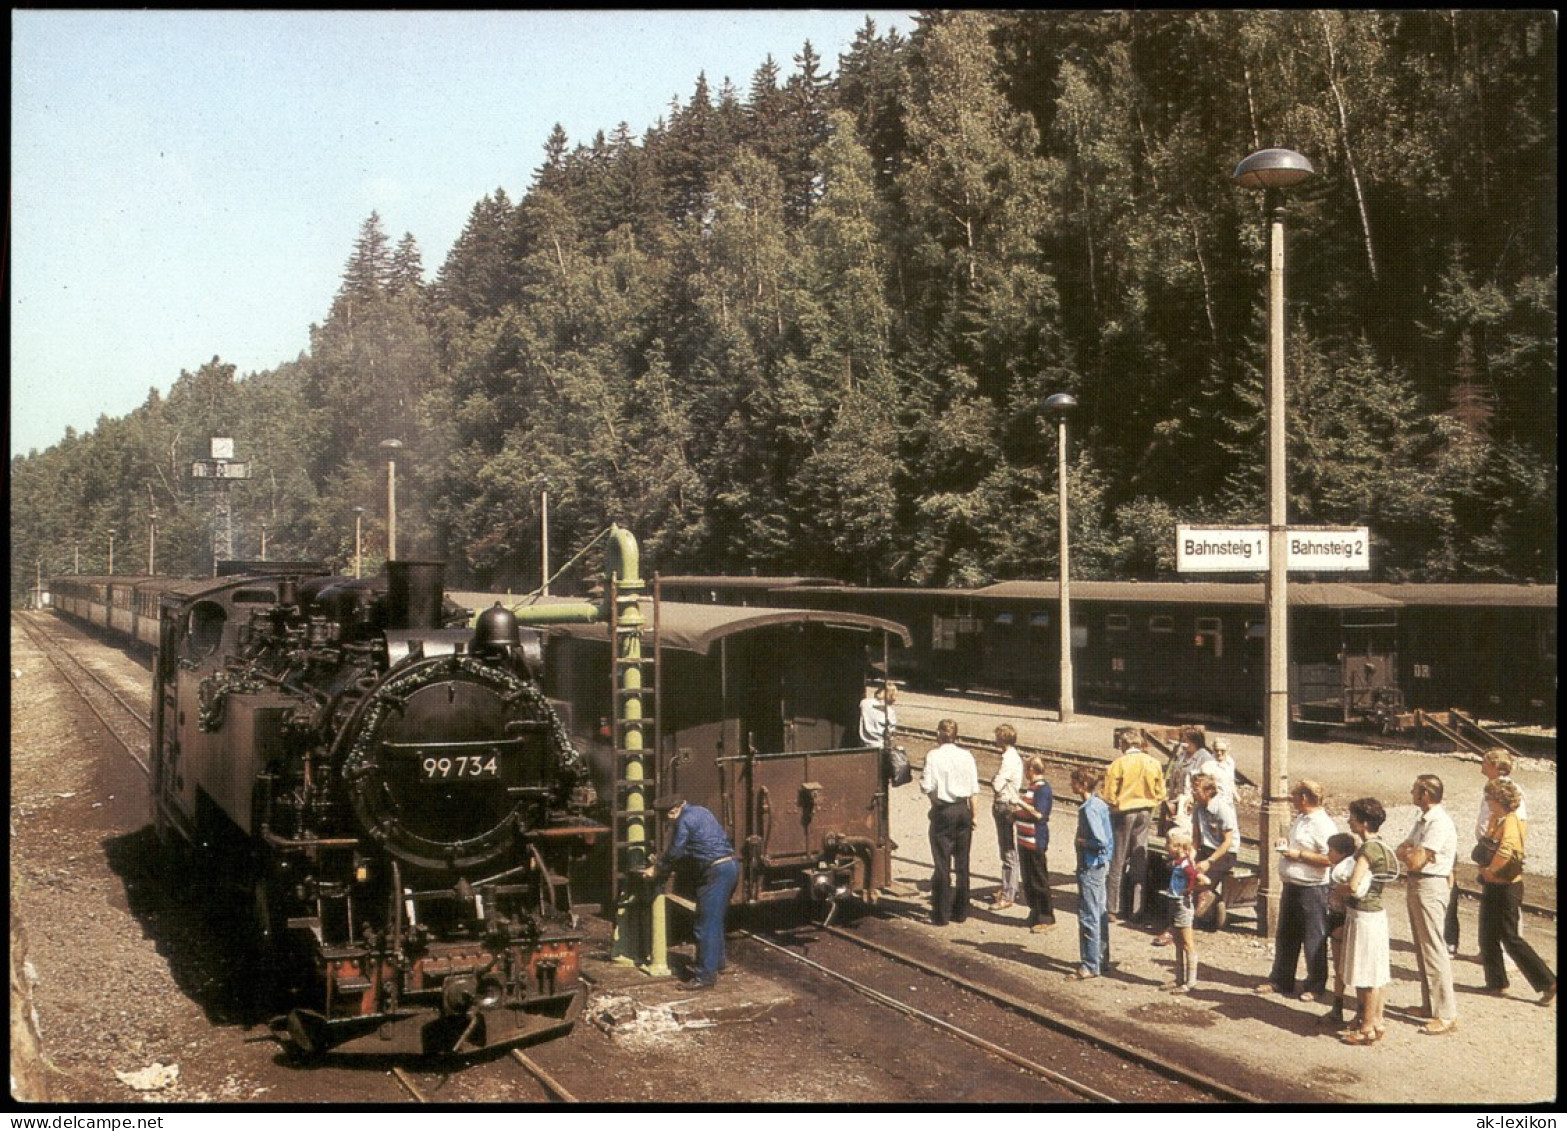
[
  {"x": 899, "y": 769},
  {"x": 1507, "y": 871}
]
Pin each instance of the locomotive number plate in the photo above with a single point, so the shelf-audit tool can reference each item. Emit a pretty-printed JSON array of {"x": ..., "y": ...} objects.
[{"x": 461, "y": 767}]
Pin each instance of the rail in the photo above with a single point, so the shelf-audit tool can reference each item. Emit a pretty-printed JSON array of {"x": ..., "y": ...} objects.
[
  {"x": 79, "y": 677},
  {"x": 1160, "y": 1068}
]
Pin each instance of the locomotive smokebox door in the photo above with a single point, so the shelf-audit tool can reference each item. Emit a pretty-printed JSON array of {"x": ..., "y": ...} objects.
[{"x": 449, "y": 767}]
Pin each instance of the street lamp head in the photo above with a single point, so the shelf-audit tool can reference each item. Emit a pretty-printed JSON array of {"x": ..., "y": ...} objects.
[
  {"x": 1272, "y": 169},
  {"x": 1060, "y": 404},
  {"x": 391, "y": 447}
]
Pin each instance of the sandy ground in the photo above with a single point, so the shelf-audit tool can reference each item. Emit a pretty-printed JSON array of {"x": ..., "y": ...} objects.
[{"x": 1225, "y": 1016}]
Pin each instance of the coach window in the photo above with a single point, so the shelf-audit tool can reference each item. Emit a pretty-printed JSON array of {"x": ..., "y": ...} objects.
[
  {"x": 944, "y": 632},
  {"x": 1118, "y": 622},
  {"x": 1161, "y": 624},
  {"x": 1256, "y": 630},
  {"x": 1209, "y": 639},
  {"x": 1038, "y": 620}
]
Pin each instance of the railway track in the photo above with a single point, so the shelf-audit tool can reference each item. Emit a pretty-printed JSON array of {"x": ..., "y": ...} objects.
[
  {"x": 426, "y": 1087},
  {"x": 1132, "y": 1074},
  {"x": 126, "y": 722}
]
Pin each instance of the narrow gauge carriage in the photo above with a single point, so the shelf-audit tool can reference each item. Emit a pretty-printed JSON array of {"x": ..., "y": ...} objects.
[
  {"x": 84, "y": 597},
  {"x": 1195, "y": 647},
  {"x": 757, "y": 713},
  {"x": 394, "y": 791},
  {"x": 1358, "y": 651},
  {"x": 1487, "y": 649}
]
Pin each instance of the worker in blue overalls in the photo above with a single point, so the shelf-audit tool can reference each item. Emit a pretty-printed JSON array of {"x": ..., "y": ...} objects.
[{"x": 699, "y": 841}]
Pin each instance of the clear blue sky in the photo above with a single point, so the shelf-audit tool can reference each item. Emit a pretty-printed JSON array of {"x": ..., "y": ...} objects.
[{"x": 190, "y": 184}]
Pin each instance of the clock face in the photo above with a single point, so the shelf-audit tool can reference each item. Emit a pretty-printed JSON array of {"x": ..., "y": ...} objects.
[{"x": 222, "y": 447}]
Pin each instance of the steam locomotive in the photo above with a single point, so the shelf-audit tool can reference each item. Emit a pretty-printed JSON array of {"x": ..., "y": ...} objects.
[{"x": 395, "y": 792}]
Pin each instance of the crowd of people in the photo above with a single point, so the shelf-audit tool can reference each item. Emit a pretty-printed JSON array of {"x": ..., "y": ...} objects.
[{"x": 1332, "y": 922}]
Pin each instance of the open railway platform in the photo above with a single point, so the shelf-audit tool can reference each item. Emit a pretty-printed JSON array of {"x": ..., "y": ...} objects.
[
  {"x": 1505, "y": 1049},
  {"x": 1347, "y": 769},
  {"x": 1267, "y": 1045}
]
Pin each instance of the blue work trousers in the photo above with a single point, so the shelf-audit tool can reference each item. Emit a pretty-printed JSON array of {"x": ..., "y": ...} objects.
[
  {"x": 1093, "y": 918},
  {"x": 712, "y": 901},
  {"x": 1303, "y": 927}
]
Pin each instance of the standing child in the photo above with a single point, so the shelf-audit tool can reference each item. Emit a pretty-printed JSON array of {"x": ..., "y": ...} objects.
[
  {"x": 1341, "y": 865},
  {"x": 1033, "y": 840},
  {"x": 1184, "y": 881}
]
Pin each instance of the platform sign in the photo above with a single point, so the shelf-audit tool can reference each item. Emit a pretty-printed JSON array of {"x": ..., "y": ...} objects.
[
  {"x": 1329, "y": 548},
  {"x": 1220, "y": 549},
  {"x": 1227, "y": 549}
]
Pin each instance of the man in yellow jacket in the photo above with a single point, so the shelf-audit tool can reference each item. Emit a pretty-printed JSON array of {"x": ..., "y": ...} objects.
[{"x": 1133, "y": 788}]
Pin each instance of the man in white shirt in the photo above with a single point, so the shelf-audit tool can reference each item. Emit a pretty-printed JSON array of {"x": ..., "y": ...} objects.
[
  {"x": 1007, "y": 786},
  {"x": 1303, "y": 902},
  {"x": 877, "y": 717},
  {"x": 1427, "y": 855},
  {"x": 950, "y": 779},
  {"x": 1220, "y": 766}
]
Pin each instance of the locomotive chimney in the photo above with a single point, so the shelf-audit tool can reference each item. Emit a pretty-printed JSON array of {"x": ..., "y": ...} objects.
[{"x": 414, "y": 593}]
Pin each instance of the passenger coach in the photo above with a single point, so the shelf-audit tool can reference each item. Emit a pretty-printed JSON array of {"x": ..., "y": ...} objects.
[{"x": 1358, "y": 651}]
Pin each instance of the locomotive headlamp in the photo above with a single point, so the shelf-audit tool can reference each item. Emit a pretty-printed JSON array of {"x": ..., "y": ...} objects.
[
  {"x": 457, "y": 995},
  {"x": 491, "y": 994}
]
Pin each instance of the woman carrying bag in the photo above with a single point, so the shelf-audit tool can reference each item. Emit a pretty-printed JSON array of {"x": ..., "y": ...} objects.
[{"x": 1500, "y": 855}]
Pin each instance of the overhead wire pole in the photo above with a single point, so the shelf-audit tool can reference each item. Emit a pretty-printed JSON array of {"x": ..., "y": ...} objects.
[{"x": 391, "y": 448}]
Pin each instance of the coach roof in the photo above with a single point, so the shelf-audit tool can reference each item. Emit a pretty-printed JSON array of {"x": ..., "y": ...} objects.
[
  {"x": 696, "y": 627},
  {"x": 1332, "y": 595}
]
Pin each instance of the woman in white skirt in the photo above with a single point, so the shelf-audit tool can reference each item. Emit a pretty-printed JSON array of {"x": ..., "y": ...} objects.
[{"x": 1366, "y": 965}]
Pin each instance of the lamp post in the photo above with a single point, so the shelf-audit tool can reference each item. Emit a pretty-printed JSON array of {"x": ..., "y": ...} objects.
[
  {"x": 263, "y": 541},
  {"x": 391, "y": 448},
  {"x": 544, "y": 537},
  {"x": 1273, "y": 171},
  {"x": 76, "y": 550},
  {"x": 112, "y": 533},
  {"x": 359, "y": 518},
  {"x": 152, "y": 543},
  {"x": 1060, "y": 406}
]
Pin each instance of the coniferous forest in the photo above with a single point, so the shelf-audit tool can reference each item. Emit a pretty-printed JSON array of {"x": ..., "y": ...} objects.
[{"x": 809, "y": 325}]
